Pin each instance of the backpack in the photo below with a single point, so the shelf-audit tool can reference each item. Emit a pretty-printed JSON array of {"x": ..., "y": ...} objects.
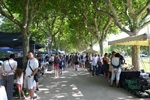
[
  {"x": 56, "y": 60},
  {"x": 76, "y": 58}
]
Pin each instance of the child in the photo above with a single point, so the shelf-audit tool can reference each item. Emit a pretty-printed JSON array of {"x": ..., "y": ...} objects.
[{"x": 19, "y": 78}]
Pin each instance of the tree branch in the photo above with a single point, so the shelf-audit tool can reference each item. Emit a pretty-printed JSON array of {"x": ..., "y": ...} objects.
[
  {"x": 106, "y": 32},
  {"x": 48, "y": 26},
  {"x": 7, "y": 8},
  {"x": 144, "y": 25},
  {"x": 116, "y": 18},
  {"x": 107, "y": 24},
  {"x": 101, "y": 11},
  {"x": 53, "y": 22},
  {"x": 129, "y": 18},
  {"x": 145, "y": 17},
  {"x": 143, "y": 10},
  {"x": 85, "y": 22},
  {"x": 59, "y": 26},
  {"x": 38, "y": 8},
  {"x": 42, "y": 31},
  {"x": 130, "y": 7},
  {"x": 10, "y": 17}
]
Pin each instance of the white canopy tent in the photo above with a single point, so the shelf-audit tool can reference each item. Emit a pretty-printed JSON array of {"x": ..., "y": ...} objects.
[{"x": 142, "y": 40}]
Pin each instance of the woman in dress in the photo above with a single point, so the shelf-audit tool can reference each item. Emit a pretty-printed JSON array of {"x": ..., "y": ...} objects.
[{"x": 106, "y": 67}]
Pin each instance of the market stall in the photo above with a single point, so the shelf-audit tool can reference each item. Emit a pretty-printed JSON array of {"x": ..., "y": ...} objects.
[{"x": 136, "y": 82}]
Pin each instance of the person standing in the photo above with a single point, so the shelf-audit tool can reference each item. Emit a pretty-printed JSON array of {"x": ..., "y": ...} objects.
[
  {"x": 19, "y": 82},
  {"x": 82, "y": 62},
  {"x": 94, "y": 64},
  {"x": 61, "y": 64},
  {"x": 87, "y": 61},
  {"x": 9, "y": 68},
  {"x": 116, "y": 70},
  {"x": 99, "y": 63},
  {"x": 106, "y": 67},
  {"x": 56, "y": 65},
  {"x": 31, "y": 70},
  {"x": 76, "y": 58}
]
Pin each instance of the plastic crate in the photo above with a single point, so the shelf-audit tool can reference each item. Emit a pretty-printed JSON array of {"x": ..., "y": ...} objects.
[
  {"x": 132, "y": 81},
  {"x": 134, "y": 86}
]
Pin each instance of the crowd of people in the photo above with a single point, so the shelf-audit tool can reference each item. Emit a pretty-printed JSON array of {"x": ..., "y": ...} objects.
[{"x": 108, "y": 66}]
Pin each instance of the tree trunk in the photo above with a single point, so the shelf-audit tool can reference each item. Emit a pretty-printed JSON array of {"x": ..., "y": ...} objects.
[
  {"x": 58, "y": 43},
  {"x": 136, "y": 57},
  {"x": 25, "y": 44},
  {"x": 50, "y": 43},
  {"x": 101, "y": 45}
]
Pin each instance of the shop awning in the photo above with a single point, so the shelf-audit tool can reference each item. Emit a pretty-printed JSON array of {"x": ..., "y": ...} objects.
[
  {"x": 14, "y": 40},
  {"x": 142, "y": 40}
]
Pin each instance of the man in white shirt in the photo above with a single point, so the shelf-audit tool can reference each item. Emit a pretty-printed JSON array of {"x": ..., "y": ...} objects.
[
  {"x": 9, "y": 67},
  {"x": 94, "y": 64},
  {"x": 31, "y": 70}
]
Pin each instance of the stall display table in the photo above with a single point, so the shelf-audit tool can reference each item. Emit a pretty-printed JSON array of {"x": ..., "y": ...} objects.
[
  {"x": 3, "y": 95},
  {"x": 128, "y": 75}
]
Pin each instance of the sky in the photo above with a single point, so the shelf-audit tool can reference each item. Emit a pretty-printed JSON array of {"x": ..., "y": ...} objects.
[{"x": 120, "y": 36}]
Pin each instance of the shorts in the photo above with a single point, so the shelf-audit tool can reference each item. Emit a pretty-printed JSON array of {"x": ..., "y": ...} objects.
[
  {"x": 28, "y": 82},
  {"x": 34, "y": 83},
  {"x": 56, "y": 65},
  {"x": 117, "y": 75},
  {"x": 77, "y": 63},
  {"x": 19, "y": 85},
  {"x": 60, "y": 67},
  {"x": 83, "y": 61}
]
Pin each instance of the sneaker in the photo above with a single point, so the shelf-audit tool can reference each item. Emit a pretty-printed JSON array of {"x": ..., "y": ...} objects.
[
  {"x": 35, "y": 95},
  {"x": 111, "y": 85}
]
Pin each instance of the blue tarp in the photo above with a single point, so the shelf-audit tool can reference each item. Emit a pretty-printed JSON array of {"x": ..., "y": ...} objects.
[{"x": 10, "y": 49}]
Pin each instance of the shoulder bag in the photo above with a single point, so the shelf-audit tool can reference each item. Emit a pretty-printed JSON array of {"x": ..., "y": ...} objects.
[{"x": 37, "y": 75}]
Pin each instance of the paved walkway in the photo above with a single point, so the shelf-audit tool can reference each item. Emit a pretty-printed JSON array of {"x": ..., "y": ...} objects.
[{"x": 79, "y": 85}]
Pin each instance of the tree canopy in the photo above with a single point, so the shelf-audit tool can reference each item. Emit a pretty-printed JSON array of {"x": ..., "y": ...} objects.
[{"x": 76, "y": 24}]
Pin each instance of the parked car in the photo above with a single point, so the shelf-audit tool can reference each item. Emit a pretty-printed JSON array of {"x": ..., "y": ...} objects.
[{"x": 143, "y": 56}]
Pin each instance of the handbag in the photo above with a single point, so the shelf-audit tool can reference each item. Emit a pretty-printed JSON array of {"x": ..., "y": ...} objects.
[
  {"x": 37, "y": 75},
  {"x": 99, "y": 63}
]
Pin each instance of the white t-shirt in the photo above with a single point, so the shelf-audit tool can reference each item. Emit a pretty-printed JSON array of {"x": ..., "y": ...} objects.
[
  {"x": 115, "y": 61},
  {"x": 7, "y": 67},
  {"x": 94, "y": 61},
  {"x": 33, "y": 64},
  {"x": 52, "y": 58},
  {"x": 20, "y": 80}
]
